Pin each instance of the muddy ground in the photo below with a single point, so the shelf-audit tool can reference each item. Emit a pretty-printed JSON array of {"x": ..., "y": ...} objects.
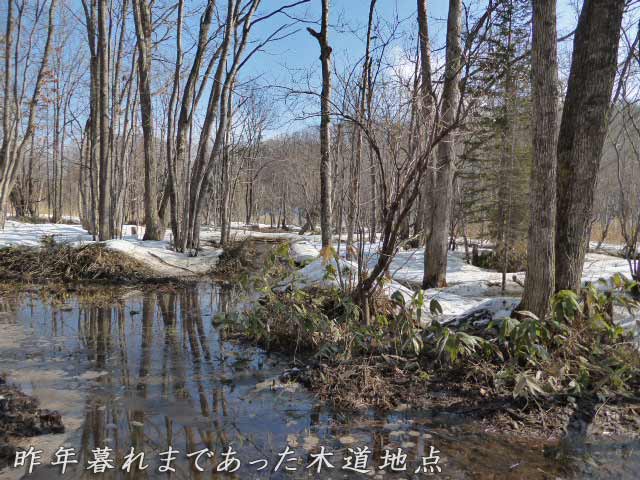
[
  {"x": 21, "y": 416},
  {"x": 398, "y": 386},
  {"x": 388, "y": 383}
]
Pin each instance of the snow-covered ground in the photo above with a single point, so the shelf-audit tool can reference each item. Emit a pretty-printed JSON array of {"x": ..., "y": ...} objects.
[
  {"x": 31, "y": 234},
  {"x": 469, "y": 288},
  {"x": 157, "y": 255}
]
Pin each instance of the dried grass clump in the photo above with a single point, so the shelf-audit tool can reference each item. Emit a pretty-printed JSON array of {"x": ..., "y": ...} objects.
[
  {"x": 236, "y": 258},
  {"x": 64, "y": 263},
  {"x": 355, "y": 386}
]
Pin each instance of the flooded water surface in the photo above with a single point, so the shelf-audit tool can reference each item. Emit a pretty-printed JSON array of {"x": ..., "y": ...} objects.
[{"x": 152, "y": 370}]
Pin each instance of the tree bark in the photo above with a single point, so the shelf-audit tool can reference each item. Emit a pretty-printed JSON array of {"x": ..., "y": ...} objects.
[
  {"x": 426, "y": 100},
  {"x": 353, "y": 211},
  {"x": 144, "y": 30},
  {"x": 325, "y": 135},
  {"x": 435, "y": 271},
  {"x": 185, "y": 119},
  {"x": 539, "y": 283},
  {"x": 582, "y": 132},
  {"x": 104, "y": 197}
]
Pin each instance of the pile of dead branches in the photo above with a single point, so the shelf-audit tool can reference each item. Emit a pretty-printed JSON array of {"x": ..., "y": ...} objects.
[{"x": 64, "y": 263}]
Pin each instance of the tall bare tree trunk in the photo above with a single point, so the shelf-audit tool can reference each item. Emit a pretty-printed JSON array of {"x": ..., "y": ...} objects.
[
  {"x": 144, "y": 30},
  {"x": 427, "y": 103},
  {"x": 325, "y": 119},
  {"x": 216, "y": 110},
  {"x": 582, "y": 132},
  {"x": 92, "y": 125},
  {"x": 435, "y": 271},
  {"x": 104, "y": 230},
  {"x": 353, "y": 212},
  {"x": 539, "y": 283},
  {"x": 185, "y": 119},
  {"x": 225, "y": 167},
  {"x": 7, "y": 138}
]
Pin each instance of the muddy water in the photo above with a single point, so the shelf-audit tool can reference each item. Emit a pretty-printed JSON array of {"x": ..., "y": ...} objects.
[{"x": 151, "y": 370}]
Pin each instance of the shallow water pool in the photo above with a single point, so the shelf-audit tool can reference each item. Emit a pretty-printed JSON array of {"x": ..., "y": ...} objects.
[{"x": 151, "y": 370}]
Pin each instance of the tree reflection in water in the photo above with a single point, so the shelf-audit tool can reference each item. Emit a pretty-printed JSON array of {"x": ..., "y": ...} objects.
[{"x": 156, "y": 373}]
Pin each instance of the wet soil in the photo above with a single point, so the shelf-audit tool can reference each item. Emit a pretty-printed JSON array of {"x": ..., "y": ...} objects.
[
  {"x": 62, "y": 263},
  {"x": 386, "y": 384},
  {"x": 21, "y": 416}
]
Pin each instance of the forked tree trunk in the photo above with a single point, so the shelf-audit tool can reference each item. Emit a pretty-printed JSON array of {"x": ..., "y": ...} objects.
[
  {"x": 539, "y": 283},
  {"x": 435, "y": 272},
  {"x": 178, "y": 157},
  {"x": 582, "y": 132},
  {"x": 11, "y": 150},
  {"x": 144, "y": 30}
]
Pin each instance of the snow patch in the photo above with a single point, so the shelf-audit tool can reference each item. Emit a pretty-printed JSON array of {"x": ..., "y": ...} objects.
[
  {"x": 157, "y": 255},
  {"x": 470, "y": 288}
]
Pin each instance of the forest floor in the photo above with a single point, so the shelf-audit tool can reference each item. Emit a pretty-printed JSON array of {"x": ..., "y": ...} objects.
[
  {"x": 470, "y": 390},
  {"x": 376, "y": 380},
  {"x": 470, "y": 290},
  {"x": 368, "y": 379},
  {"x": 413, "y": 384}
]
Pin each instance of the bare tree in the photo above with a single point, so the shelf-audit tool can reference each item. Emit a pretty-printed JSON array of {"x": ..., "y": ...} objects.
[
  {"x": 154, "y": 230},
  {"x": 361, "y": 112},
  {"x": 435, "y": 270},
  {"x": 326, "y": 186},
  {"x": 426, "y": 101},
  {"x": 539, "y": 283},
  {"x": 582, "y": 132},
  {"x": 103, "y": 119},
  {"x": 11, "y": 150}
]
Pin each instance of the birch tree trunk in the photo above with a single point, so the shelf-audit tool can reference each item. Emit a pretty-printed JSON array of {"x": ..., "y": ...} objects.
[
  {"x": 582, "y": 132},
  {"x": 539, "y": 283}
]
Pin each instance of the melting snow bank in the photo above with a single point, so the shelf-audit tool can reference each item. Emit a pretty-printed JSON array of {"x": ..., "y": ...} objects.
[
  {"x": 334, "y": 273},
  {"x": 473, "y": 292},
  {"x": 156, "y": 255},
  {"x": 31, "y": 234},
  {"x": 159, "y": 257}
]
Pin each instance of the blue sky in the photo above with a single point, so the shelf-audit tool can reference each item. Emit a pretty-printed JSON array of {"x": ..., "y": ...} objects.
[
  {"x": 301, "y": 50},
  {"x": 295, "y": 58},
  {"x": 347, "y": 32}
]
